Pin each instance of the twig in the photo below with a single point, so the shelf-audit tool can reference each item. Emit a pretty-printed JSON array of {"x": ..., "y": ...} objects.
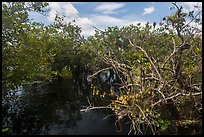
[
  {"x": 182, "y": 94},
  {"x": 171, "y": 53},
  {"x": 192, "y": 19},
  {"x": 100, "y": 71},
  {"x": 152, "y": 78},
  {"x": 108, "y": 116},
  {"x": 175, "y": 50},
  {"x": 160, "y": 78},
  {"x": 92, "y": 108},
  {"x": 148, "y": 58},
  {"x": 97, "y": 28}
]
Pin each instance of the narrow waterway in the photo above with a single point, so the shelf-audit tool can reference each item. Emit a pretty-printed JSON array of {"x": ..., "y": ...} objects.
[{"x": 53, "y": 109}]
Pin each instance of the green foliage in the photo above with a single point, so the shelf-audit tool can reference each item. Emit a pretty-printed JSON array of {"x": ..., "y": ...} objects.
[
  {"x": 34, "y": 53},
  {"x": 66, "y": 73},
  {"x": 5, "y": 130},
  {"x": 112, "y": 48}
]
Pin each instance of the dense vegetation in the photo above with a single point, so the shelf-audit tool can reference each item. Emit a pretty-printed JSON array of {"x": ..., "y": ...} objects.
[{"x": 157, "y": 67}]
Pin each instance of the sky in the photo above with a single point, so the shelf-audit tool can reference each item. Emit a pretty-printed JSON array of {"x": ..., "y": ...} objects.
[{"x": 101, "y": 15}]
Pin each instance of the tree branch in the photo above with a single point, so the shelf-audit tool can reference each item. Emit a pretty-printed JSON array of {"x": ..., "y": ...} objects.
[
  {"x": 92, "y": 108},
  {"x": 179, "y": 94},
  {"x": 100, "y": 71},
  {"x": 155, "y": 68}
]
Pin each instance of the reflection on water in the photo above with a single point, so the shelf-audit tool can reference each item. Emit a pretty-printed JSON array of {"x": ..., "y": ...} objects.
[
  {"x": 52, "y": 109},
  {"x": 92, "y": 122}
]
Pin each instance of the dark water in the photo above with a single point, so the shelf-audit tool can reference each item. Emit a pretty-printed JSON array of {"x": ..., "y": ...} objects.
[{"x": 53, "y": 109}]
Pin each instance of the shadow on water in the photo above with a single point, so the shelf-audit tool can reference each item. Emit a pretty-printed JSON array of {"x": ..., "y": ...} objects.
[{"x": 52, "y": 109}]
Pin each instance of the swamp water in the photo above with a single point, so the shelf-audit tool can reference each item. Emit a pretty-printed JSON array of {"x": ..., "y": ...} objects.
[{"x": 53, "y": 109}]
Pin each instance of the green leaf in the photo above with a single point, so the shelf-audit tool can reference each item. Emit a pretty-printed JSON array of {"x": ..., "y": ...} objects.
[
  {"x": 5, "y": 129},
  {"x": 164, "y": 127},
  {"x": 160, "y": 121}
]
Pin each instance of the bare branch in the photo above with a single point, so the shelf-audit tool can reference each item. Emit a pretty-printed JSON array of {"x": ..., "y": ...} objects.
[
  {"x": 148, "y": 58},
  {"x": 182, "y": 94},
  {"x": 152, "y": 78},
  {"x": 92, "y": 108},
  {"x": 173, "y": 52},
  {"x": 100, "y": 71}
]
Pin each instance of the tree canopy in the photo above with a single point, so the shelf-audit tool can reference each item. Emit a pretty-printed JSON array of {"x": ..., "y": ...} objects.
[{"x": 158, "y": 66}]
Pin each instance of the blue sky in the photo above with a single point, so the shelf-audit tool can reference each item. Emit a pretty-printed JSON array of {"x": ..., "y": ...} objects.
[{"x": 105, "y": 14}]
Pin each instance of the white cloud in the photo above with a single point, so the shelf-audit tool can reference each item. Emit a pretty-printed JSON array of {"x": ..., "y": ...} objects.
[
  {"x": 78, "y": 2},
  {"x": 109, "y": 8},
  {"x": 190, "y": 6},
  {"x": 83, "y": 21},
  {"x": 148, "y": 10},
  {"x": 104, "y": 21},
  {"x": 107, "y": 20},
  {"x": 88, "y": 31},
  {"x": 61, "y": 8},
  {"x": 88, "y": 23},
  {"x": 71, "y": 13}
]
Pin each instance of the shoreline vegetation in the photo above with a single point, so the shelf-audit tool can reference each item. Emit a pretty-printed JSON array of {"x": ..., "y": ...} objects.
[{"x": 150, "y": 74}]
